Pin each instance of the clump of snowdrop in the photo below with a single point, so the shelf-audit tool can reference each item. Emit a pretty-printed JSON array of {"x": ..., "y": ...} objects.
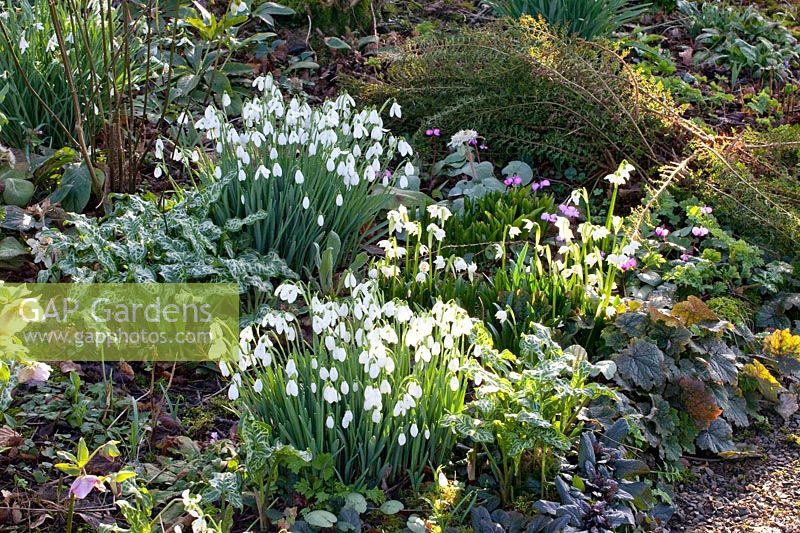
[
  {"x": 369, "y": 386},
  {"x": 296, "y": 178}
]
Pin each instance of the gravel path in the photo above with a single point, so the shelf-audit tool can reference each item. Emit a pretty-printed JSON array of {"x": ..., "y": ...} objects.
[{"x": 758, "y": 495}]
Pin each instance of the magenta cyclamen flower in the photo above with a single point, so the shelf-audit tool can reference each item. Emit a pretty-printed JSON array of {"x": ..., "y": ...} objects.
[
  {"x": 433, "y": 132},
  {"x": 685, "y": 257},
  {"x": 536, "y": 185},
  {"x": 706, "y": 210},
  {"x": 483, "y": 147},
  {"x": 512, "y": 181},
  {"x": 549, "y": 217},
  {"x": 628, "y": 264},
  {"x": 699, "y": 231},
  {"x": 662, "y": 232},
  {"x": 569, "y": 211}
]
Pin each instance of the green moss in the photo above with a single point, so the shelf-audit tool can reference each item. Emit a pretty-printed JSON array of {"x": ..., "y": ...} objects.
[
  {"x": 731, "y": 309},
  {"x": 200, "y": 419}
]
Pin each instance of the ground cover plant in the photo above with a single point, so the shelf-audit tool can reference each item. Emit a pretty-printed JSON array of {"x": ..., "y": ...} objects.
[{"x": 504, "y": 266}]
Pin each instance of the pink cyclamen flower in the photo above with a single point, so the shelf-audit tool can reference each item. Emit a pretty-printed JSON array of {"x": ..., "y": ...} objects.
[
  {"x": 569, "y": 211},
  {"x": 483, "y": 147},
  {"x": 662, "y": 232},
  {"x": 433, "y": 132},
  {"x": 512, "y": 181},
  {"x": 387, "y": 173},
  {"x": 549, "y": 217},
  {"x": 540, "y": 184},
  {"x": 685, "y": 257},
  {"x": 628, "y": 264},
  {"x": 706, "y": 210},
  {"x": 83, "y": 485},
  {"x": 699, "y": 231}
]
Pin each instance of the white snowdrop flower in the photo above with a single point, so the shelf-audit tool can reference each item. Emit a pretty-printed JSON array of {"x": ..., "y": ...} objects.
[
  {"x": 329, "y": 422},
  {"x": 599, "y": 233},
  {"x": 277, "y": 170},
  {"x": 395, "y": 111},
  {"x": 459, "y": 264},
  {"x": 323, "y": 374},
  {"x": 330, "y": 395},
  {"x": 453, "y": 365},
  {"x": 177, "y": 155},
  {"x": 242, "y": 177},
  {"x": 159, "y": 149},
  {"x": 404, "y": 148},
  {"x": 320, "y": 221},
  {"x": 258, "y": 386},
  {"x": 313, "y": 388},
  {"x": 471, "y": 269},
  {"x": 233, "y": 392},
  {"x": 438, "y": 233},
  {"x": 314, "y": 363},
  {"x": 454, "y": 384},
  {"x": 415, "y": 390},
  {"x": 218, "y": 172},
  {"x": 298, "y": 177},
  {"x": 339, "y": 199},
  {"x": 420, "y": 277},
  {"x": 385, "y": 388},
  {"x": 282, "y": 139},
  {"x": 226, "y": 100},
  {"x": 306, "y": 202},
  {"x": 350, "y": 281},
  {"x": 440, "y": 212},
  {"x": 414, "y": 430},
  {"x": 564, "y": 230},
  {"x": 157, "y": 172},
  {"x": 427, "y": 433},
  {"x": 334, "y": 374},
  {"x": 287, "y": 292},
  {"x": 330, "y": 342},
  {"x": 631, "y": 248},
  {"x": 617, "y": 259},
  {"x": 401, "y": 439},
  {"x": 339, "y": 354},
  {"x": 52, "y": 43},
  {"x": 376, "y": 416},
  {"x": 291, "y": 368},
  {"x": 514, "y": 231},
  {"x": 347, "y": 418},
  {"x": 439, "y": 262},
  {"x": 23, "y": 45},
  {"x": 273, "y": 153},
  {"x": 344, "y": 388},
  {"x": 501, "y": 315}
]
